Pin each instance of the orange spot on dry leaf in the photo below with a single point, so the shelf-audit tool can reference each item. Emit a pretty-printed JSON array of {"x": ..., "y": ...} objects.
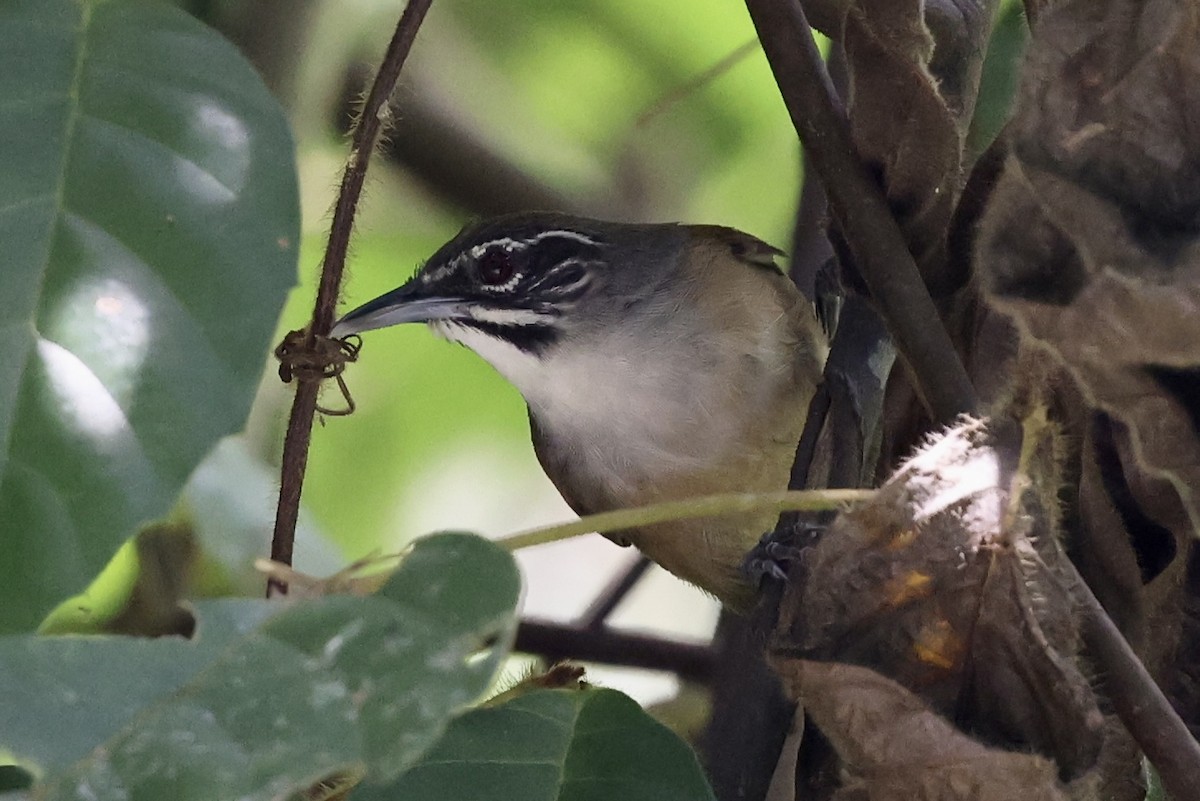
[
  {"x": 938, "y": 645},
  {"x": 902, "y": 539},
  {"x": 909, "y": 587}
]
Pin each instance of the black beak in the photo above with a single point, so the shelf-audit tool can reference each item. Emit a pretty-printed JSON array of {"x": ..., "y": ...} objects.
[{"x": 403, "y": 305}]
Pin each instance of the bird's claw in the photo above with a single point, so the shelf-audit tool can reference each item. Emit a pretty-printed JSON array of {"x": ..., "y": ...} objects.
[{"x": 779, "y": 550}]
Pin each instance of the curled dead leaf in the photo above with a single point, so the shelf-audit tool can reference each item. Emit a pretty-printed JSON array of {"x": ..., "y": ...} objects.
[
  {"x": 895, "y": 748},
  {"x": 947, "y": 583}
]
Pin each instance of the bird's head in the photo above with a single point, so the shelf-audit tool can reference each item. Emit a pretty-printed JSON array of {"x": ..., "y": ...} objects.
[{"x": 528, "y": 282}]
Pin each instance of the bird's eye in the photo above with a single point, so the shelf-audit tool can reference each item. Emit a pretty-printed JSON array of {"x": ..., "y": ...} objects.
[{"x": 496, "y": 266}]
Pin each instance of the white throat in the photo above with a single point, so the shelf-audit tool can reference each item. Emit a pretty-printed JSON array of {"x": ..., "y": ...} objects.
[{"x": 629, "y": 412}]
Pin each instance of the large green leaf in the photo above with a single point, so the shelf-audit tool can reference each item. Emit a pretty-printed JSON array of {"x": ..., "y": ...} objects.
[
  {"x": 148, "y": 210},
  {"x": 267, "y": 697},
  {"x": 553, "y": 745}
]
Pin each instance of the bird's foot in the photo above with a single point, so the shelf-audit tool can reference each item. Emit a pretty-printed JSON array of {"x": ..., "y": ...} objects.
[{"x": 780, "y": 550}]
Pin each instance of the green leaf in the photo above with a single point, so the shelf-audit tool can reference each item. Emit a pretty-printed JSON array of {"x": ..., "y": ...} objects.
[
  {"x": 1000, "y": 74},
  {"x": 149, "y": 214},
  {"x": 267, "y": 697},
  {"x": 560, "y": 745}
]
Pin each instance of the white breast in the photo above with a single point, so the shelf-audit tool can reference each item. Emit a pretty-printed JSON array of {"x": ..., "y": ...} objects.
[{"x": 638, "y": 415}]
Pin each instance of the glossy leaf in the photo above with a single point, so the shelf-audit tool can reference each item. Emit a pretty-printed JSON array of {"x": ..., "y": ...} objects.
[
  {"x": 267, "y": 697},
  {"x": 148, "y": 207},
  {"x": 553, "y": 745}
]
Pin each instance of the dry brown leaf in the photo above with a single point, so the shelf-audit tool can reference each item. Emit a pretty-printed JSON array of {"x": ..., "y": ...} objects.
[
  {"x": 895, "y": 748},
  {"x": 1092, "y": 240},
  {"x": 906, "y": 124},
  {"x": 946, "y": 583},
  {"x": 1091, "y": 245},
  {"x": 900, "y": 122}
]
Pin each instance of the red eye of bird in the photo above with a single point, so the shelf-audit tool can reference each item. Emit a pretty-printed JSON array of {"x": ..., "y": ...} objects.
[{"x": 496, "y": 266}]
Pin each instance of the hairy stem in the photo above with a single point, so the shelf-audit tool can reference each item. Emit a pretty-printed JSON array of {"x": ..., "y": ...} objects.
[
  {"x": 687, "y": 509},
  {"x": 304, "y": 405}
]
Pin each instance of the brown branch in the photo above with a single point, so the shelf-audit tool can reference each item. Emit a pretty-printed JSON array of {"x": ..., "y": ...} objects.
[
  {"x": 878, "y": 248},
  {"x": 811, "y": 248},
  {"x": 977, "y": 191},
  {"x": 299, "y": 428},
  {"x": 1140, "y": 704},
  {"x": 750, "y": 716},
  {"x": 556, "y": 642},
  {"x": 858, "y": 206},
  {"x": 806, "y": 448}
]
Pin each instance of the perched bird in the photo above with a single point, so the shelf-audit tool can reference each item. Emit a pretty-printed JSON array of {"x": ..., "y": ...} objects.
[{"x": 658, "y": 362}]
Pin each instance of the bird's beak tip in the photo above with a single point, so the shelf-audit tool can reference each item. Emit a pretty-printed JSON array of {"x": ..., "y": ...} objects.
[{"x": 341, "y": 329}]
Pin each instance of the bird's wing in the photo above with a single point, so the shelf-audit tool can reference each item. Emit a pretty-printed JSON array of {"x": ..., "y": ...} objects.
[
  {"x": 743, "y": 246},
  {"x": 806, "y": 332}
]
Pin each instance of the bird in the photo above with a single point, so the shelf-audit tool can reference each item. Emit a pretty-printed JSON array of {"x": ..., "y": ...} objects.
[{"x": 658, "y": 361}]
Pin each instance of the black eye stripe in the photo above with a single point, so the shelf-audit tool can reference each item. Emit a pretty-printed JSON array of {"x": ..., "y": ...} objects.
[
  {"x": 521, "y": 268},
  {"x": 551, "y": 251},
  {"x": 533, "y": 338},
  {"x": 551, "y": 264}
]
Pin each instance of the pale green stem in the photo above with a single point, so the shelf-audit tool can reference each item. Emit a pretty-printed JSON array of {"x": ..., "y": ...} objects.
[{"x": 703, "y": 506}]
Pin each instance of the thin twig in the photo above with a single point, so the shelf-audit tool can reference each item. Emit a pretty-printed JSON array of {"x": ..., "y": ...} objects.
[
  {"x": 858, "y": 205},
  {"x": 596, "y": 615},
  {"x": 299, "y": 429},
  {"x": 1147, "y": 714},
  {"x": 687, "y": 509},
  {"x": 806, "y": 448},
  {"x": 694, "y": 84}
]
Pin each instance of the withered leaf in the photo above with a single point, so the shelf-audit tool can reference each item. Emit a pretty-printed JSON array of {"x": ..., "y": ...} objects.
[
  {"x": 896, "y": 748},
  {"x": 946, "y": 582},
  {"x": 899, "y": 120},
  {"x": 1092, "y": 240}
]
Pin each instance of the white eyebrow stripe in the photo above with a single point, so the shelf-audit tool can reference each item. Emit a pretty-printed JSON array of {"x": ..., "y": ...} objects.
[
  {"x": 563, "y": 234},
  {"x": 504, "y": 242},
  {"x": 510, "y": 244}
]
